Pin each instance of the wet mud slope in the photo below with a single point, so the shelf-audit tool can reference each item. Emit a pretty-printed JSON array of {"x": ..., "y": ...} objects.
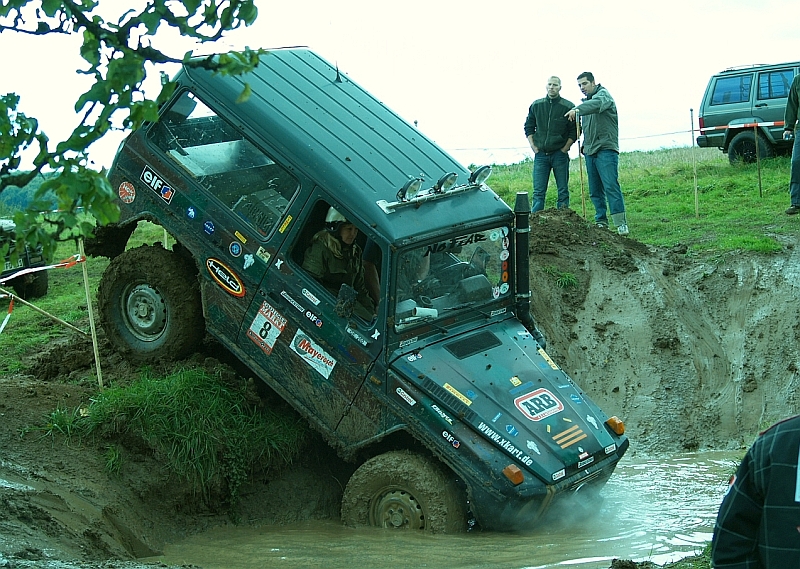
[{"x": 692, "y": 353}]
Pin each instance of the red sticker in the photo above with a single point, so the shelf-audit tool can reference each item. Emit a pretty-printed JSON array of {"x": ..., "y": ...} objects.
[{"x": 127, "y": 193}]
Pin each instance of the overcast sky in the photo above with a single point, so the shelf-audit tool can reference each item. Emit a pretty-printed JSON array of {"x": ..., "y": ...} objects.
[{"x": 467, "y": 71}]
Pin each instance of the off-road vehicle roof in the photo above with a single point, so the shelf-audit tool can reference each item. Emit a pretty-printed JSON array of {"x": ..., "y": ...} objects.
[
  {"x": 757, "y": 67},
  {"x": 344, "y": 139}
]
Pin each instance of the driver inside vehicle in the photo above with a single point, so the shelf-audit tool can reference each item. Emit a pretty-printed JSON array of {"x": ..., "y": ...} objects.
[{"x": 334, "y": 259}]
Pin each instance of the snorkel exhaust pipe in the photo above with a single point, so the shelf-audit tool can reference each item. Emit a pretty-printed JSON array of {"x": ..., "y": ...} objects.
[{"x": 522, "y": 229}]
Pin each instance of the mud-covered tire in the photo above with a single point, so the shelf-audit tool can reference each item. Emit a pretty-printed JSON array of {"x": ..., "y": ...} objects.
[
  {"x": 743, "y": 148},
  {"x": 404, "y": 490},
  {"x": 31, "y": 286},
  {"x": 149, "y": 304}
]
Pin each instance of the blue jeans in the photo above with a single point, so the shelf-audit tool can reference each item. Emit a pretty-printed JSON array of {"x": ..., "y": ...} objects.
[
  {"x": 794, "y": 176},
  {"x": 558, "y": 162},
  {"x": 602, "y": 170}
]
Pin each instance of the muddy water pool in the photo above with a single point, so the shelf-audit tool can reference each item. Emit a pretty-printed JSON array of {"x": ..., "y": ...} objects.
[{"x": 656, "y": 509}]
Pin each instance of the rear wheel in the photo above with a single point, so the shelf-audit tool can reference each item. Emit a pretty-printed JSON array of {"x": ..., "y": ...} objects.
[
  {"x": 404, "y": 490},
  {"x": 149, "y": 302},
  {"x": 31, "y": 286},
  {"x": 743, "y": 148}
]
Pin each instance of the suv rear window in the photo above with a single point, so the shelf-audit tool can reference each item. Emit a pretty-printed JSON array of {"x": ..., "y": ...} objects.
[
  {"x": 220, "y": 159},
  {"x": 732, "y": 89},
  {"x": 775, "y": 84}
]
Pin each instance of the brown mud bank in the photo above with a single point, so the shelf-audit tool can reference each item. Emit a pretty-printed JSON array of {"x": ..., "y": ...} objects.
[{"x": 692, "y": 353}]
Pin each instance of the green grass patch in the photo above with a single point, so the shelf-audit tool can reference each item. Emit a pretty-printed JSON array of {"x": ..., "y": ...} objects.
[
  {"x": 200, "y": 427},
  {"x": 729, "y": 208},
  {"x": 29, "y": 332}
]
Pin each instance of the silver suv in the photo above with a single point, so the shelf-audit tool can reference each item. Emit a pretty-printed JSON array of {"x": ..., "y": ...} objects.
[{"x": 744, "y": 106}]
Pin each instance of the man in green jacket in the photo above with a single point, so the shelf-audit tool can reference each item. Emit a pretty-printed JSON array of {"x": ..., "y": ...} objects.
[
  {"x": 789, "y": 123},
  {"x": 598, "y": 116},
  {"x": 550, "y": 136}
]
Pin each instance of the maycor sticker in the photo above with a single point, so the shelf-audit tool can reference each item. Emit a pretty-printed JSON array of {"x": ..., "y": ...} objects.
[
  {"x": 225, "y": 277},
  {"x": 312, "y": 353},
  {"x": 538, "y": 404},
  {"x": 157, "y": 184},
  {"x": 266, "y": 327}
]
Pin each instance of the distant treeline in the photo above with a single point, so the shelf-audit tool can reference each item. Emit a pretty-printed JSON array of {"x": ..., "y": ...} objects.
[{"x": 14, "y": 198}]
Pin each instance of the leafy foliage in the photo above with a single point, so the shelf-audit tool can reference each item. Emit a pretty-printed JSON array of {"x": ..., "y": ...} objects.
[{"x": 117, "y": 55}]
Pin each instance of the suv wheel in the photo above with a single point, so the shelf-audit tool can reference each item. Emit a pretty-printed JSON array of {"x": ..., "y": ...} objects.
[
  {"x": 149, "y": 302},
  {"x": 404, "y": 490},
  {"x": 743, "y": 148},
  {"x": 31, "y": 286}
]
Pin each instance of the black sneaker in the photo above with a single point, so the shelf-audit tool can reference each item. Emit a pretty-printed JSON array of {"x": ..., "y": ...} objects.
[
  {"x": 793, "y": 210},
  {"x": 604, "y": 225}
]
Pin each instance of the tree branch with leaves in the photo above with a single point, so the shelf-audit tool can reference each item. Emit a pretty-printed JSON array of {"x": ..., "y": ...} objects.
[{"x": 117, "y": 54}]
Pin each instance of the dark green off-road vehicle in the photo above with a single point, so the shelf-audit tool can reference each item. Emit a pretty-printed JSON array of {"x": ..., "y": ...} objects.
[
  {"x": 445, "y": 398},
  {"x": 26, "y": 285}
]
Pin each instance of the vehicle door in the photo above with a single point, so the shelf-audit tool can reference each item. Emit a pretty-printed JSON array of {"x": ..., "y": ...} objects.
[
  {"x": 317, "y": 358},
  {"x": 772, "y": 95},
  {"x": 237, "y": 196},
  {"x": 728, "y": 103}
]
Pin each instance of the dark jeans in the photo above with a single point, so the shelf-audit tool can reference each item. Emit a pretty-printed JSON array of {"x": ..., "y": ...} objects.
[
  {"x": 602, "y": 170},
  {"x": 794, "y": 176},
  {"x": 558, "y": 162}
]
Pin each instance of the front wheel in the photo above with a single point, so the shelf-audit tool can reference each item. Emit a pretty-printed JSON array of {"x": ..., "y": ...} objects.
[
  {"x": 743, "y": 148},
  {"x": 404, "y": 490},
  {"x": 149, "y": 302}
]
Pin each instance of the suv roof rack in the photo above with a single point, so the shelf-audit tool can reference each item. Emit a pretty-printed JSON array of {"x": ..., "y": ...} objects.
[{"x": 756, "y": 65}]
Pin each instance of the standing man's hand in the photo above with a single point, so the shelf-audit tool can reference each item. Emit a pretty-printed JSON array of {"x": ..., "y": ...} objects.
[
  {"x": 788, "y": 135},
  {"x": 570, "y": 114}
]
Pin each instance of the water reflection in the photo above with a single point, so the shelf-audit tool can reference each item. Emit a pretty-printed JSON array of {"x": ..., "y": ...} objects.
[{"x": 653, "y": 509}]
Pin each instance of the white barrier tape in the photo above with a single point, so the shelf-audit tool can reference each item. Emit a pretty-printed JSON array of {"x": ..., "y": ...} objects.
[
  {"x": 5, "y": 320},
  {"x": 745, "y": 125},
  {"x": 65, "y": 264}
]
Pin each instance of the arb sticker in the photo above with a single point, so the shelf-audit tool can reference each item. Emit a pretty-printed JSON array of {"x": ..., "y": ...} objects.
[
  {"x": 225, "y": 277},
  {"x": 538, "y": 404}
]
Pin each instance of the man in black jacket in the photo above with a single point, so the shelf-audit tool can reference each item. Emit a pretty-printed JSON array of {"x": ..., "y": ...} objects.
[
  {"x": 758, "y": 526},
  {"x": 550, "y": 135}
]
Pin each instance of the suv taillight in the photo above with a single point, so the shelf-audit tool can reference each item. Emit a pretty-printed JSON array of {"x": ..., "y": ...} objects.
[{"x": 701, "y": 122}]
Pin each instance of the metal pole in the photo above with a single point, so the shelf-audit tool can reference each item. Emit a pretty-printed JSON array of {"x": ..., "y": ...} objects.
[
  {"x": 42, "y": 312},
  {"x": 91, "y": 314},
  {"x": 758, "y": 158},
  {"x": 580, "y": 164},
  {"x": 694, "y": 167}
]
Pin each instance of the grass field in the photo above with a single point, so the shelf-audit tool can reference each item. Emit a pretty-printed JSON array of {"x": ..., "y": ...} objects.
[{"x": 728, "y": 208}]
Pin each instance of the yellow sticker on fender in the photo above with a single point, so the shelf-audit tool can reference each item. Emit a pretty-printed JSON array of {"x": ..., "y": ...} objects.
[
  {"x": 458, "y": 394},
  {"x": 547, "y": 358}
]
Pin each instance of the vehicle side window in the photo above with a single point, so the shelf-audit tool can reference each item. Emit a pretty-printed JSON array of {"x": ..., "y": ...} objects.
[
  {"x": 330, "y": 248},
  {"x": 732, "y": 89},
  {"x": 775, "y": 84},
  {"x": 219, "y": 158}
]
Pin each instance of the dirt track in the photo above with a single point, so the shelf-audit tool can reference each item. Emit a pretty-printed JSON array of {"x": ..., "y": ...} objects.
[{"x": 691, "y": 353}]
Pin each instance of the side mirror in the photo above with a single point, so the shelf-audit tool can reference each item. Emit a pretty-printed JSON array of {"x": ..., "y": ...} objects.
[{"x": 345, "y": 301}]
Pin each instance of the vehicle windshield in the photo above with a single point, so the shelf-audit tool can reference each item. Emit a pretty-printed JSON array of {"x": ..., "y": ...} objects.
[{"x": 465, "y": 271}]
